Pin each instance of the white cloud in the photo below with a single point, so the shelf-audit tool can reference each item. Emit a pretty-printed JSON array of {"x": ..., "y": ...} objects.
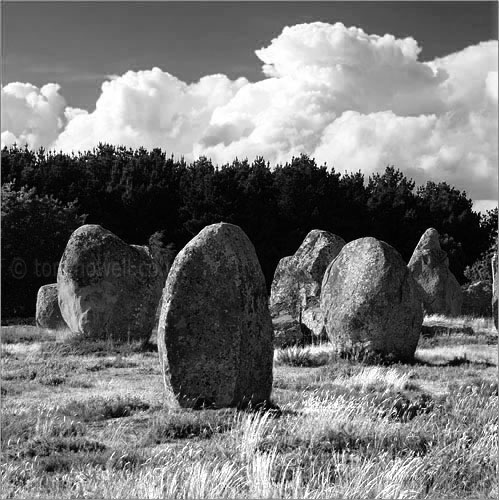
[
  {"x": 484, "y": 205},
  {"x": 491, "y": 85},
  {"x": 429, "y": 147},
  {"x": 32, "y": 115},
  {"x": 355, "y": 100},
  {"x": 150, "y": 109},
  {"x": 468, "y": 72}
]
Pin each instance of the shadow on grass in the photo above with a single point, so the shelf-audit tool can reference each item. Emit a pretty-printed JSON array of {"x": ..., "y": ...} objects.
[
  {"x": 99, "y": 408},
  {"x": 79, "y": 346},
  {"x": 439, "y": 362},
  {"x": 202, "y": 424}
]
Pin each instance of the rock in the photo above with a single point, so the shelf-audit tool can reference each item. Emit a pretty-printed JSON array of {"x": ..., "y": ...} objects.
[
  {"x": 371, "y": 302},
  {"x": 313, "y": 320},
  {"x": 439, "y": 288},
  {"x": 495, "y": 308},
  {"x": 48, "y": 314},
  {"x": 495, "y": 287},
  {"x": 108, "y": 290},
  {"x": 287, "y": 331},
  {"x": 477, "y": 299},
  {"x": 215, "y": 331},
  {"x": 296, "y": 286},
  {"x": 283, "y": 287}
]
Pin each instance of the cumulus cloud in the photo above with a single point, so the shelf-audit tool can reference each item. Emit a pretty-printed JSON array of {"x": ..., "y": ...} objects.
[
  {"x": 428, "y": 147},
  {"x": 348, "y": 98},
  {"x": 32, "y": 115},
  {"x": 491, "y": 85},
  {"x": 150, "y": 109}
]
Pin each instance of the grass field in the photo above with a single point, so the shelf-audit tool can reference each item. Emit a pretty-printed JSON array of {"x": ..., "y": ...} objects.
[{"x": 91, "y": 422}]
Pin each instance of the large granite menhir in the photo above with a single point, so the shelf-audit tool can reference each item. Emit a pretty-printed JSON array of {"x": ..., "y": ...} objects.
[
  {"x": 296, "y": 288},
  {"x": 108, "y": 290},
  {"x": 439, "y": 288},
  {"x": 371, "y": 302},
  {"x": 215, "y": 331}
]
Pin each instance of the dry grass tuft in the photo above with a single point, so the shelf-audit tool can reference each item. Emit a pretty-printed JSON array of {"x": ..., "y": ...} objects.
[
  {"x": 304, "y": 356},
  {"x": 377, "y": 377}
]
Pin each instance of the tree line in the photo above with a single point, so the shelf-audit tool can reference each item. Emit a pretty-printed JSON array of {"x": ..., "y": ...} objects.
[{"x": 137, "y": 193}]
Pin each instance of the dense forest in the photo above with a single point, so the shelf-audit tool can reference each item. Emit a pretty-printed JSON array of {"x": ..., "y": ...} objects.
[{"x": 138, "y": 193}]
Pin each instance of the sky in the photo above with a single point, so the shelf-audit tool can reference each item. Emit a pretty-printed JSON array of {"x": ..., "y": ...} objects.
[{"x": 356, "y": 85}]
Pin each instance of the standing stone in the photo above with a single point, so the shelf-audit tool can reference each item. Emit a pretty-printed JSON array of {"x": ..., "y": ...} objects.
[
  {"x": 477, "y": 299},
  {"x": 215, "y": 331},
  {"x": 439, "y": 288},
  {"x": 48, "y": 314},
  {"x": 495, "y": 310},
  {"x": 495, "y": 287},
  {"x": 108, "y": 290},
  {"x": 288, "y": 330},
  {"x": 371, "y": 302},
  {"x": 296, "y": 288}
]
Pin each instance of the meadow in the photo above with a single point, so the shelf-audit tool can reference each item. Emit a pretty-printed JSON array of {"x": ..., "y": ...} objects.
[{"x": 86, "y": 420}]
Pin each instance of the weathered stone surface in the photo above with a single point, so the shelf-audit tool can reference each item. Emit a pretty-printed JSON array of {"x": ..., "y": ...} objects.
[
  {"x": 371, "y": 302},
  {"x": 287, "y": 331},
  {"x": 477, "y": 299},
  {"x": 297, "y": 281},
  {"x": 439, "y": 288},
  {"x": 48, "y": 314},
  {"x": 495, "y": 312},
  {"x": 495, "y": 286},
  {"x": 283, "y": 287},
  {"x": 313, "y": 319},
  {"x": 107, "y": 288},
  {"x": 215, "y": 331}
]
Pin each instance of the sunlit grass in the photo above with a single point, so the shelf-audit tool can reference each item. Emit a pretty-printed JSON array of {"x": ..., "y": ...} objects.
[
  {"x": 479, "y": 325},
  {"x": 260, "y": 459},
  {"x": 378, "y": 378},
  {"x": 458, "y": 354},
  {"x": 346, "y": 429},
  {"x": 304, "y": 356}
]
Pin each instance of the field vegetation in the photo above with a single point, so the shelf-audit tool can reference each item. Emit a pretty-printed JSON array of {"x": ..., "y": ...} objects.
[{"x": 91, "y": 421}]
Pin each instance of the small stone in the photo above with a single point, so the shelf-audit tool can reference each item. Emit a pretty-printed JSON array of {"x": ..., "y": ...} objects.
[{"x": 48, "y": 313}]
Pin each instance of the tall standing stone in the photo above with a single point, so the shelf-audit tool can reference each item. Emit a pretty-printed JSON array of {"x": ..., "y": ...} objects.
[
  {"x": 495, "y": 289},
  {"x": 296, "y": 287},
  {"x": 439, "y": 288},
  {"x": 215, "y": 331},
  {"x": 371, "y": 302},
  {"x": 48, "y": 313},
  {"x": 108, "y": 290}
]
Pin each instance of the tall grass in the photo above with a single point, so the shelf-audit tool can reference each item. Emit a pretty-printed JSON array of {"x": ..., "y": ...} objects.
[
  {"x": 478, "y": 324},
  {"x": 319, "y": 355},
  {"x": 345, "y": 430},
  {"x": 458, "y": 355},
  {"x": 376, "y": 377},
  {"x": 453, "y": 463}
]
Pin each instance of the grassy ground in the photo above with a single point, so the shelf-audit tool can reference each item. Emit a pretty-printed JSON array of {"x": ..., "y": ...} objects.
[{"x": 81, "y": 422}]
